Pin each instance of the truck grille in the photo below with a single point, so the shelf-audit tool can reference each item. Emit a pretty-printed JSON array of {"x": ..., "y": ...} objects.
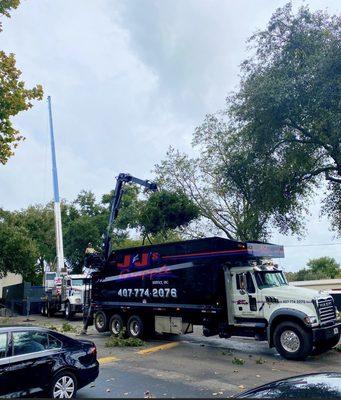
[{"x": 326, "y": 310}]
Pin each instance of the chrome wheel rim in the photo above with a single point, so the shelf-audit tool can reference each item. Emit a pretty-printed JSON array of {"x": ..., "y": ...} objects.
[
  {"x": 100, "y": 321},
  {"x": 116, "y": 327},
  {"x": 67, "y": 311},
  {"x": 64, "y": 388},
  {"x": 290, "y": 341},
  {"x": 135, "y": 328}
]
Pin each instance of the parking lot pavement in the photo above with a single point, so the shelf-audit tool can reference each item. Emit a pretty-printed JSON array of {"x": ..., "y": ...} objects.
[{"x": 190, "y": 366}]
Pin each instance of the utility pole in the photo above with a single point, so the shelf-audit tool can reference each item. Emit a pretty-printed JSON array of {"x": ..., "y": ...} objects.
[{"x": 57, "y": 213}]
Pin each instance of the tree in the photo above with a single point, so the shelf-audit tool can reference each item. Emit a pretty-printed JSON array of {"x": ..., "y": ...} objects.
[
  {"x": 14, "y": 97},
  {"x": 85, "y": 220},
  {"x": 18, "y": 251},
  {"x": 325, "y": 265},
  {"x": 236, "y": 195},
  {"x": 165, "y": 211},
  {"x": 6, "y": 6},
  {"x": 288, "y": 107},
  {"x": 318, "y": 268}
]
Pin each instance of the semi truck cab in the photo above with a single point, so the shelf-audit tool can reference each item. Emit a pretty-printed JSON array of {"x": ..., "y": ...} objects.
[{"x": 262, "y": 303}]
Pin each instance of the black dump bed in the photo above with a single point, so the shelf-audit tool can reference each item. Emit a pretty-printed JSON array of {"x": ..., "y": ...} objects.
[{"x": 181, "y": 275}]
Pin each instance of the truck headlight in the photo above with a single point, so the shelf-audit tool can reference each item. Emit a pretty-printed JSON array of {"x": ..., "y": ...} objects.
[
  {"x": 310, "y": 320},
  {"x": 78, "y": 300}
]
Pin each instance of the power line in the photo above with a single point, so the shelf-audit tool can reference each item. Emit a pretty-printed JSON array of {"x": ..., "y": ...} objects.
[{"x": 313, "y": 245}]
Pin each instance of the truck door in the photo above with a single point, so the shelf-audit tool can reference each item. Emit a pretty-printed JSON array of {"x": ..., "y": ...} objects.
[{"x": 244, "y": 295}]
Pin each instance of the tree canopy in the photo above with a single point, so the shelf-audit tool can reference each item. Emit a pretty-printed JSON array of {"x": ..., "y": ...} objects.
[
  {"x": 155, "y": 216},
  {"x": 14, "y": 96},
  {"x": 277, "y": 140},
  {"x": 318, "y": 268},
  {"x": 288, "y": 107}
]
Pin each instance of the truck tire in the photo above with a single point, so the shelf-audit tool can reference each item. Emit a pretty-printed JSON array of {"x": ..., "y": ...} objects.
[
  {"x": 135, "y": 327},
  {"x": 68, "y": 314},
  {"x": 322, "y": 347},
  {"x": 116, "y": 325},
  {"x": 101, "y": 321},
  {"x": 292, "y": 341}
]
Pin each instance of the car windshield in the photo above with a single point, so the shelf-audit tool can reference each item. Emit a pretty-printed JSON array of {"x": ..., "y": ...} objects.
[{"x": 267, "y": 279}]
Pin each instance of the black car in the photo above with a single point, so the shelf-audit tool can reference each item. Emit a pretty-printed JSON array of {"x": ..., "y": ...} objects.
[
  {"x": 319, "y": 385},
  {"x": 37, "y": 361}
]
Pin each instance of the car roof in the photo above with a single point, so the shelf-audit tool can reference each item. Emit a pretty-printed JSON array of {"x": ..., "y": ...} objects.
[
  {"x": 13, "y": 328},
  {"x": 326, "y": 375}
]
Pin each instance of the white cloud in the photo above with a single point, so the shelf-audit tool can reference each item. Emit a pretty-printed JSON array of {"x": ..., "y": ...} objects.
[{"x": 127, "y": 79}]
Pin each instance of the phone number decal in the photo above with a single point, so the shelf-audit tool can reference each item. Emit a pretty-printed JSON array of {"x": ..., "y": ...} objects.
[{"x": 160, "y": 292}]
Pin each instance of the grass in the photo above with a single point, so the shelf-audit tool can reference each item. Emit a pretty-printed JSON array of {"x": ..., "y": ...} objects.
[
  {"x": 238, "y": 361},
  {"x": 338, "y": 348},
  {"x": 260, "y": 361},
  {"x": 122, "y": 341},
  {"x": 227, "y": 353}
]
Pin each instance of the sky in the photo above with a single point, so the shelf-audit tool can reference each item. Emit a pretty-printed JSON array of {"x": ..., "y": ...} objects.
[{"x": 127, "y": 80}]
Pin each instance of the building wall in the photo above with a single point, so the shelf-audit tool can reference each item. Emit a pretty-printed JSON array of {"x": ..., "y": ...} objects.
[{"x": 9, "y": 279}]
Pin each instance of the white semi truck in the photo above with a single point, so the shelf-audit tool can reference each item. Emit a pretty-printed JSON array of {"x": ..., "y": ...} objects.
[{"x": 63, "y": 294}]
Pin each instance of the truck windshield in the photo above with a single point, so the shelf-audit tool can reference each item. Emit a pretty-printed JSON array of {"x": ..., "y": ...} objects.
[
  {"x": 77, "y": 282},
  {"x": 267, "y": 279}
]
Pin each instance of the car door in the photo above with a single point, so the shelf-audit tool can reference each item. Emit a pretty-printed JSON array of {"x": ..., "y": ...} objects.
[
  {"x": 31, "y": 363},
  {"x": 4, "y": 364}
]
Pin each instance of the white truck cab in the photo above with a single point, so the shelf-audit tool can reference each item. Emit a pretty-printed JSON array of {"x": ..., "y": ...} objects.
[
  {"x": 294, "y": 320},
  {"x": 64, "y": 294}
]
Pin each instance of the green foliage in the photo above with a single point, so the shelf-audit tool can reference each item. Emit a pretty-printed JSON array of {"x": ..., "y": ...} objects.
[
  {"x": 122, "y": 341},
  {"x": 326, "y": 265},
  {"x": 318, "y": 268},
  {"x": 238, "y": 361},
  {"x": 67, "y": 327},
  {"x": 6, "y": 6},
  {"x": 165, "y": 211},
  {"x": 288, "y": 108},
  {"x": 279, "y": 136},
  {"x": 18, "y": 251},
  {"x": 29, "y": 234},
  {"x": 14, "y": 97}
]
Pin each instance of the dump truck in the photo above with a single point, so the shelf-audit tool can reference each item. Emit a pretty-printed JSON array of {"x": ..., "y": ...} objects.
[{"x": 230, "y": 288}]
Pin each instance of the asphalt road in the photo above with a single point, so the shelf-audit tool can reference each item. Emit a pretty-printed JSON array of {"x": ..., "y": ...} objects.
[
  {"x": 194, "y": 366},
  {"x": 189, "y": 365}
]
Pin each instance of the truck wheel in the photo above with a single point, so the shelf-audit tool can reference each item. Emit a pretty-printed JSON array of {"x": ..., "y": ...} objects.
[
  {"x": 135, "y": 327},
  {"x": 292, "y": 341},
  {"x": 116, "y": 324},
  {"x": 68, "y": 312},
  {"x": 101, "y": 322},
  {"x": 322, "y": 347}
]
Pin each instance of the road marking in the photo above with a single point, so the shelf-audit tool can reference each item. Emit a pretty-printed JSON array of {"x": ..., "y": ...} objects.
[
  {"x": 106, "y": 360},
  {"x": 158, "y": 348}
]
